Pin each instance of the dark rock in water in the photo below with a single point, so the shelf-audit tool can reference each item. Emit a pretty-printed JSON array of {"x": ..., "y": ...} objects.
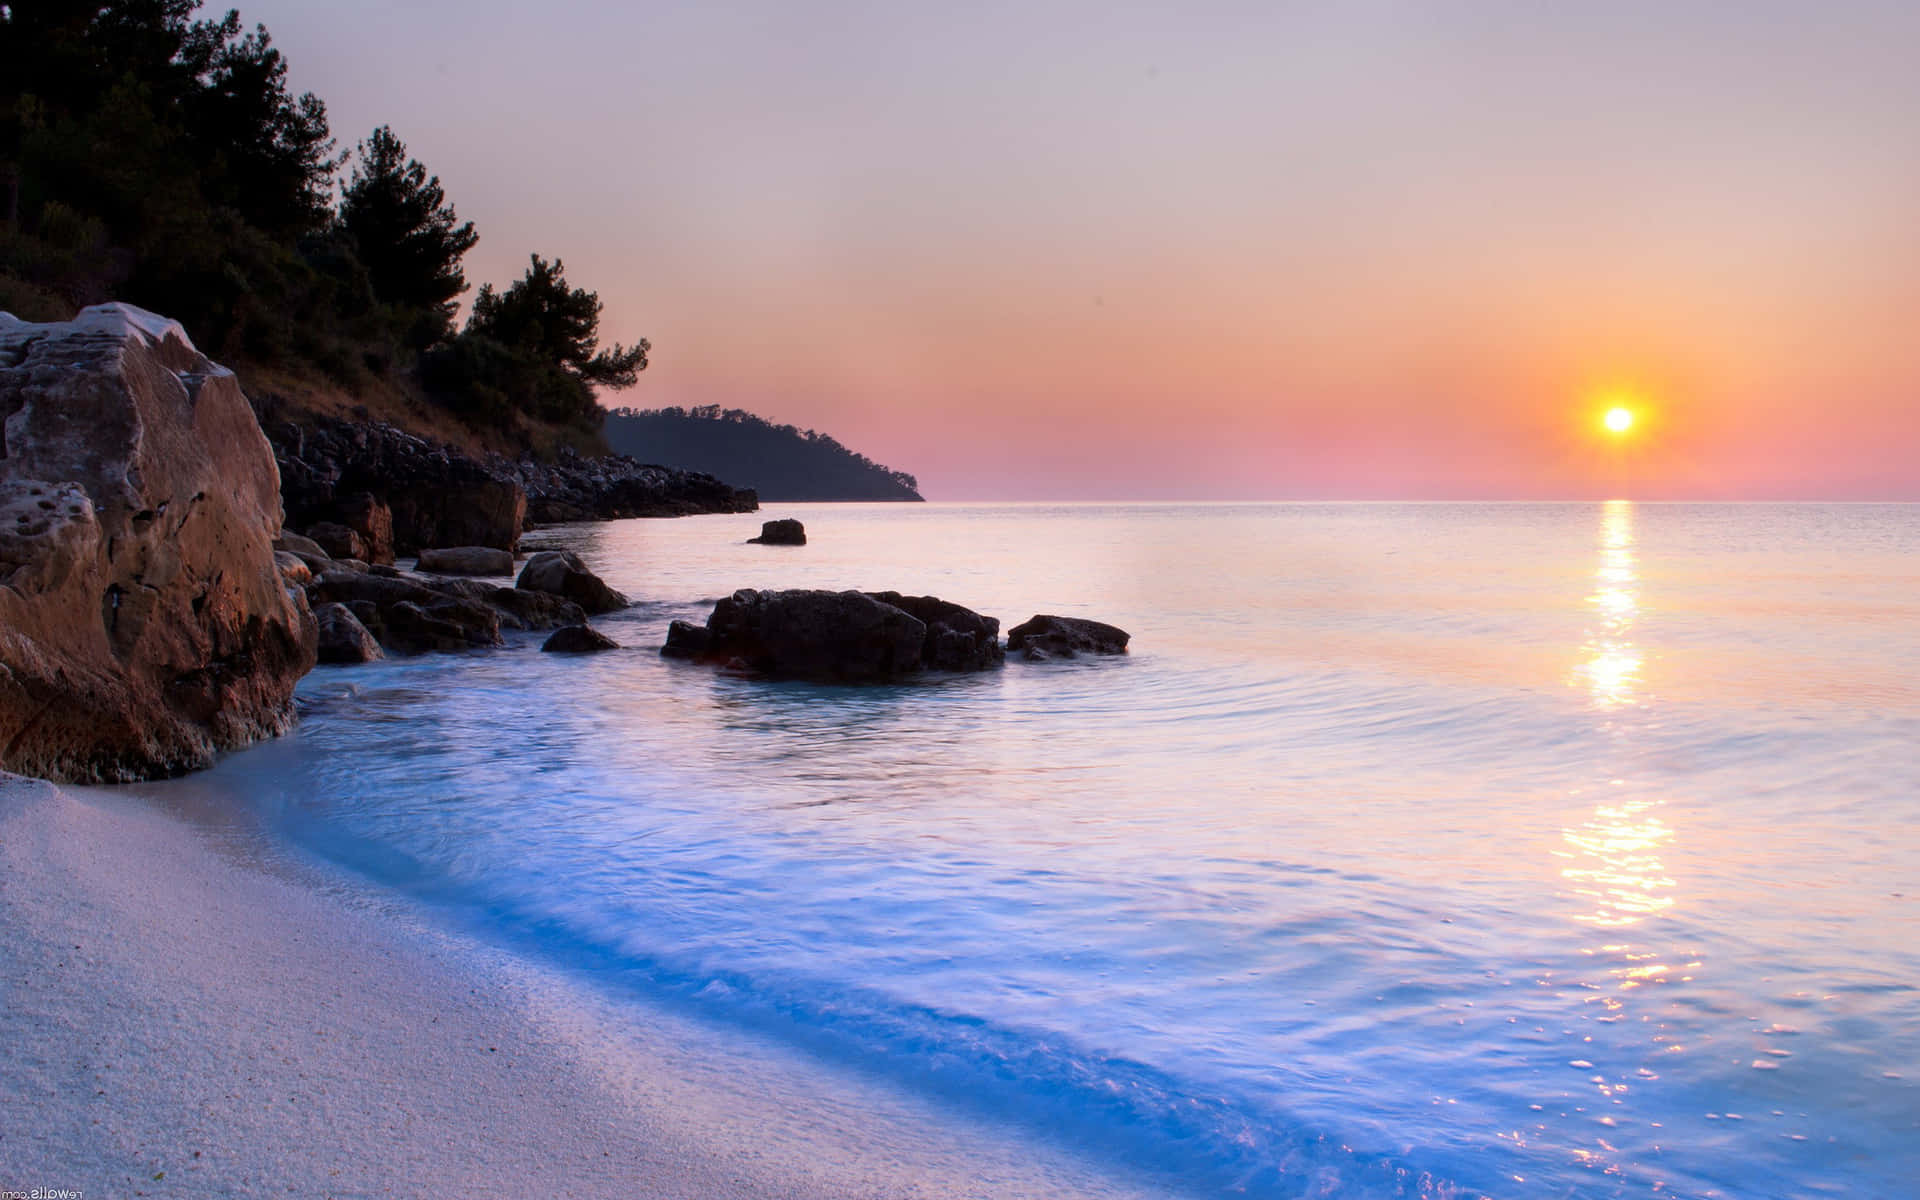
[
  {"x": 144, "y": 622},
  {"x": 1065, "y": 637},
  {"x": 855, "y": 636},
  {"x": 338, "y": 541},
  {"x": 477, "y": 611},
  {"x": 467, "y": 560},
  {"x": 521, "y": 609},
  {"x": 345, "y": 586},
  {"x": 561, "y": 573},
  {"x": 786, "y": 532},
  {"x": 343, "y": 639},
  {"x": 446, "y": 624},
  {"x": 578, "y": 639},
  {"x": 686, "y": 640},
  {"x": 958, "y": 639},
  {"x": 816, "y": 634}
]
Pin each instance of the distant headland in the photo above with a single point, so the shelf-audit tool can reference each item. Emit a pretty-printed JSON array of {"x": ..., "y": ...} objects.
[{"x": 779, "y": 462}]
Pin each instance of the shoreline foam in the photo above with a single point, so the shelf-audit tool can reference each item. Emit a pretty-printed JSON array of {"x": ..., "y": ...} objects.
[{"x": 183, "y": 1015}]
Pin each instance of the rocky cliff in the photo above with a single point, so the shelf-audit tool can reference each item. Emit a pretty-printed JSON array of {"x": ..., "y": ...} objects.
[
  {"x": 144, "y": 625},
  {"x": 403, "y": 494}
]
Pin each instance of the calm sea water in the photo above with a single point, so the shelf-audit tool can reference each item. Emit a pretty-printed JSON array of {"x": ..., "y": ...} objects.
[{"x": 1416, "y": 850}]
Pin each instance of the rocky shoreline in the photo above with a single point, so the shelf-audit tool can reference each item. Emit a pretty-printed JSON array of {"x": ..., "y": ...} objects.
[
  {"x": 158, "y": 603},
  {"x": 402, "y": 494}
]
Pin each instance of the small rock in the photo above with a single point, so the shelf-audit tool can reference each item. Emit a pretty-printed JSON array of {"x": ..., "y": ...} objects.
[
  {"x": 788, "y": 532},
  {"x": 303, "y": 546},
  {"x": 337, "y": 541},
  {"x": 467, "y": 560},
  {"x": 295, "y": 572},
  {"x": 578, "y": 639},
  {"x": 343, "y": 639},
  {"x": 561, "y": 573},
  {"x": 1045, "y": 637},
  {"x": 686, "y": 640}
]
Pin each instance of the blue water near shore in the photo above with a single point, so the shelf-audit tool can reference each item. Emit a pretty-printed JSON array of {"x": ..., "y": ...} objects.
[{"x": 1416, "y": 850}]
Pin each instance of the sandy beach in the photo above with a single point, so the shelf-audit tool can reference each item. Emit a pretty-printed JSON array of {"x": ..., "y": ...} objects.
[{"x": 185, "y": 1013}]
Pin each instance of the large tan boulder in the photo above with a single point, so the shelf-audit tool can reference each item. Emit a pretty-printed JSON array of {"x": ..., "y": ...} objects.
[{"x": 144, "y": 624}]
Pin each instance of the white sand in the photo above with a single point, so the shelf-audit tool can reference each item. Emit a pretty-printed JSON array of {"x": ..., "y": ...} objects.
[{"x": 180, "y": 1016}]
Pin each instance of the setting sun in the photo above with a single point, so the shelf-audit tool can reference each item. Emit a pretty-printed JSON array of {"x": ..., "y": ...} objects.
[{"x": 1618, "y": 420}]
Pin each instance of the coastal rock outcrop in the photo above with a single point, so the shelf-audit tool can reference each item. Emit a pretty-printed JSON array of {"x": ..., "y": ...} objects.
[
  {"x": 855, "y": 636},
  {"x": 144, "y": 623},
  {"x": 398, "y": 492},
  {"x": 561, "y": 573},
  {"x": 401, "y": 493},
  {"x": 785, "y": 532},
  {"x": 1043, "y": 637},
  {"x": 467, "y": 560}
]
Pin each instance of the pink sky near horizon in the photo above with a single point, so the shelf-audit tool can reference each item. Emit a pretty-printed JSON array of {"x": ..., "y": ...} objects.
[{"x": 1068, "y": 250}]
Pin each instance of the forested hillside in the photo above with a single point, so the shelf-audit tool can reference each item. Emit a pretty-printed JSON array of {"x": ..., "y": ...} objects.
[
  {"x": 151, "y": 155},
  {"x": 781, "y": 462}
]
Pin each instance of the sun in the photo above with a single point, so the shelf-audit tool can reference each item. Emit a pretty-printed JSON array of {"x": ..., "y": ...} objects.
[{"x": 1618, "y": 419}]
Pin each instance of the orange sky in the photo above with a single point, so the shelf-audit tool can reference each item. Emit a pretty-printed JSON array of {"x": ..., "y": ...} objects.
[{"x": 1060, "y": 249}]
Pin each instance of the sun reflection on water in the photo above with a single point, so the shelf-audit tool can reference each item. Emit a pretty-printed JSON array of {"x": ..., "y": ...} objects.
[
  {"x": 1617, "y": 868},
  {"x": 1614, "y": 856},
  {"x": 1612, "y": 866},
  {"x": 1611, "y": 669}
]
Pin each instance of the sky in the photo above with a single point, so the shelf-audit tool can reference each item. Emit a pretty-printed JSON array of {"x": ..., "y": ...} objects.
[{"x": 1076, "y": 250}]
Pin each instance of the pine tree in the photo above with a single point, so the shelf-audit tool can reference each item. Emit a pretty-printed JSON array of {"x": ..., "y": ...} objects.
[
  {"x": 406, "y": 234},
  {"x": 541, "y": 316}
]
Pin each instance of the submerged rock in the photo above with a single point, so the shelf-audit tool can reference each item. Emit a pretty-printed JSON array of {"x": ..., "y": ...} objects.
[
  {"x": 467, "y": 560},
  {"x": 561, "y": 573},
  {"x": 856, "y": 636},
  {"x": 786, "y": 532},
  {"x": 578, "y": 639},
  {"x": 1045, "y": 637},
  {"x": 144, "y": 622}
]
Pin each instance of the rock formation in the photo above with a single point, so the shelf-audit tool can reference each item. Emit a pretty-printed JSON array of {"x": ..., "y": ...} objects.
[
  {"x": 343, "y": 639},
  {"x": 788, "y": 532},
  {"x": 402, "y": 494},
  {"x": 467, "y": 560},
  {"x": 144, "y": 622},
  {"x": 561, "y": 573},
  {"x": 855, "y": 636},
  {"x": 578, "y": 639},
  {"x": 1045, "y": 637}
]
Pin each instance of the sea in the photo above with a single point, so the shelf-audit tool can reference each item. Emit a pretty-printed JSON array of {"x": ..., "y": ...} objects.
[{"x": 1435, "y": 850}]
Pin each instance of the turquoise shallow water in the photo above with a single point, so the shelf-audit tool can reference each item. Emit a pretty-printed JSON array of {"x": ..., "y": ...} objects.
[{"x": 1417, "y": 850}]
